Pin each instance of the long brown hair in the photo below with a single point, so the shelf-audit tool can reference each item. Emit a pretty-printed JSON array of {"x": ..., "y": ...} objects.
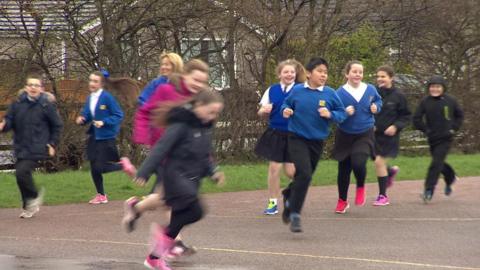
[{"x": 204, "y": 97}]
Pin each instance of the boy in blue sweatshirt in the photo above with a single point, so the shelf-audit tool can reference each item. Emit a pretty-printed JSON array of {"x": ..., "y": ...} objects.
[
  {"x": 105, "y": 115},
  {"x": 311, "y": 108}
]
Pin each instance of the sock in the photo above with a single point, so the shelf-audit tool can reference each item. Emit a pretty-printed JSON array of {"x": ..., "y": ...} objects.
[
  {"x": 382, "y": 185},
  {"x": 274, "y": 201}
]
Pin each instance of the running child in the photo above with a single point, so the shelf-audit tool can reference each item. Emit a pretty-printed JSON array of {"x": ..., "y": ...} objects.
[
  {"x": 272, "y": 145},
  {"x": 311, "y": 108},
  {"x": 104, "y": 115},
  {"x": 184, "y": 151},
  {"x": 393, "y": 117},
  {"x": 440, "y": 117},
  {"x": 36, "y": 127},
  {"x": 355, "y": 138},
  {"x": 180, "y": 87}
]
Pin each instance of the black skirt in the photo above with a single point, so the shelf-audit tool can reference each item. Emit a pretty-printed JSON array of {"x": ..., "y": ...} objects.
[
  {"x": 102, "y": 151},
  {"x": 273, "y": 146},
  {"x": 387, "y": 146},
  {"x": 347, "y": 144}
]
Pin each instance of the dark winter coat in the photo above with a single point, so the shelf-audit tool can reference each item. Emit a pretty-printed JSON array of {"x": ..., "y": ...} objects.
[
  {"x": 394, "y": 111},
  {"x": 35, "y": 124},
  {"x": 185, "y": 152}
]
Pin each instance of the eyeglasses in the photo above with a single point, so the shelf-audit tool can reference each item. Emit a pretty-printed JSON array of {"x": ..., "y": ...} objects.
[{"x": 33, "y": 85}]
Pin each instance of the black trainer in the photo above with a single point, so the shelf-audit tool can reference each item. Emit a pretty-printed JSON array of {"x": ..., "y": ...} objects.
[
  {"x": 286, "y": 209},
  {"x": 295, "y": 225},
  {"x": 427, "y": 195}
]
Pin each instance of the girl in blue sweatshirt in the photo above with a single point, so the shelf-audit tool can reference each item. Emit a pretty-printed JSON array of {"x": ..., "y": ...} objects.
[
  {"x": 311, "y": 108},
  {"x": 105, "y": 115},
  {"x": 272, "y": 145},
  {"x": 355, "y": 140}
]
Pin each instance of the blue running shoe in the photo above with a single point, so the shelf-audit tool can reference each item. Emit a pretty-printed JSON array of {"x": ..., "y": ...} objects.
[{"x": 272, "y": 208}]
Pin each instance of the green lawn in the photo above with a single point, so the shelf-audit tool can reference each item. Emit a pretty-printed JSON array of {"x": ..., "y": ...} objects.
[{"x": 76, "y": 186}]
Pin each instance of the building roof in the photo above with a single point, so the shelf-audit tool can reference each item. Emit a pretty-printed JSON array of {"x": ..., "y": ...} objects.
[{"x": 20, "y": 17}]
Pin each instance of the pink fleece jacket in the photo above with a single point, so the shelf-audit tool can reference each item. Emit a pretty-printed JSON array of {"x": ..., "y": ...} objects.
[{"x": 144, "y": 132}]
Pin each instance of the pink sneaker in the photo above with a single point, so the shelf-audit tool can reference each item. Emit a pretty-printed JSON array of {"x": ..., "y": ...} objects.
[
  {"x": 128, "y": 167},
  {"x": 161, "y": 243},
  {"x": 360, "y": 197},
  {"x": 381, "y": 201},
  {"x": 342, "y": 206},
  {"x": 99, "y": 199},
  {"x": 391, "y": 175},
  {"x": 155, "y": 264}
]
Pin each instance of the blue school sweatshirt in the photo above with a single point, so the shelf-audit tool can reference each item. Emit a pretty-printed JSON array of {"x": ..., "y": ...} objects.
[
  {"x": 306, "y": 121},
  {"x": 363, "y": 119},
  {"x": 107, "y": 110},
  {"x": 150, "y": 89},
  {"x": 277, "y": 97}
]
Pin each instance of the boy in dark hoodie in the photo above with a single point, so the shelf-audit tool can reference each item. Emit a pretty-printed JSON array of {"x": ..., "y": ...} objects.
[{"x": 439, "y": 116}]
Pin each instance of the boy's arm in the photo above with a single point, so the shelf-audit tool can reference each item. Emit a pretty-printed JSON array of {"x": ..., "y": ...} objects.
[
  {"x": 8, "y": 120},
  {"x": 172, "y": 135},
  {"x": 55, "y": 124},
  {"x": 404, "y": 114},
  {"x": 458, "y": 116},
  {"x": 116, "y": 113},
  {"x": 418, "y": 121},
  {"x": 288, "y": 102},
  {"x": 338, "y": 111}
]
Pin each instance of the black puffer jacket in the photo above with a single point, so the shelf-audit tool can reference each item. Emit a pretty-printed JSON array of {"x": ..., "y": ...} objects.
[
  {"x": 438, "y": 117},
  {"x": 35, "y": 124},
  {"x": 185, "y": 152}
]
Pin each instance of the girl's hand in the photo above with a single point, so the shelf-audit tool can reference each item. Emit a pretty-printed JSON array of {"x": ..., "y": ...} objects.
[
  {"x": 374, "y": 108},
  {"x": 350, "y": 110},
  {"x": 80, "y": 120},
  {"x": 266, "y": 109},
  {"x": 98, "y": 124},
  {"x": 140, "y": 181},
  {"x": 391, "y": 130},
  {"x": 287, "y": 113},
  {"x": 219, "y": 178},
  {"x": 324, "y": 112}
]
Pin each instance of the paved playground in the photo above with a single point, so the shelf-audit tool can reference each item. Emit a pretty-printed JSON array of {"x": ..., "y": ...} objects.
[{"x": 235, "y": 235}]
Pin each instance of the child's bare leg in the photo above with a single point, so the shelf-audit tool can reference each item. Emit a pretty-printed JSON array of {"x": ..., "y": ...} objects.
[{"x": 289, "y": 169}]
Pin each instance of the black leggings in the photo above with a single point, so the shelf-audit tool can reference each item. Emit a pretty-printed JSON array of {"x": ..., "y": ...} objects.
[
  {"x": 23, "y": 172},
  {"x": 438, "y": 165},
  {"x": 180, "y": 218},
  {"x": 96, "y": 170},
  {"x": 356, "y": 163}
]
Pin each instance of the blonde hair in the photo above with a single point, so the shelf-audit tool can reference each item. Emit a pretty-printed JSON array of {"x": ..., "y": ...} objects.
[
  {"x": 174, "y": 59},
  {"x": 300, "y": 74}
]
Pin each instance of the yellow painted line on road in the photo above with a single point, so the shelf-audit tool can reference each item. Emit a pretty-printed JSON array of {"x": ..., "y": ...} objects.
[{"x": 253, "y": 252}]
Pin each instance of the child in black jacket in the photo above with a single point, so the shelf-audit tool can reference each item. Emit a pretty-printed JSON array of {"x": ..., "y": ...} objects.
[
  {"x": 186, "y": 149},
  {"x": 438, "y": 116},
  {"x": 36, "y": 125}
]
